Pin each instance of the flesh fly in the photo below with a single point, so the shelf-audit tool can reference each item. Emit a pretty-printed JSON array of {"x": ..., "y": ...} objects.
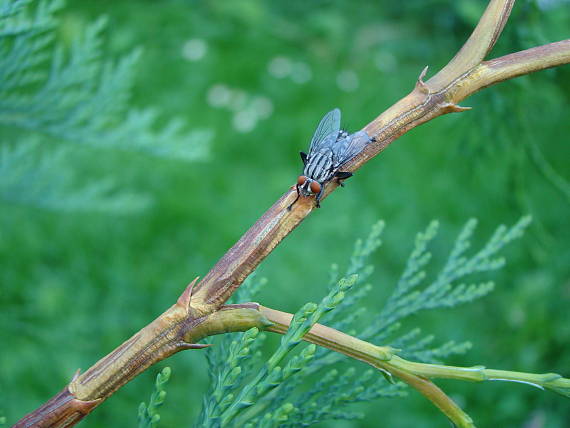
[{"x": 331, "y": 147}]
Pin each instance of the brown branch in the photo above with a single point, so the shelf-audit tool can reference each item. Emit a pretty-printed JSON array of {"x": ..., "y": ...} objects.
[
  {"x": 201, "y": 313},
  {"x": 175, "y": 330},
  {"x": 477, "y": 46},
  {"x": 514, "y": 65}
]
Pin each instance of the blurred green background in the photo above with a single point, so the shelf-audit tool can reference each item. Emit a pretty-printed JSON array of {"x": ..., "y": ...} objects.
[{"x": 259, "y": 75}]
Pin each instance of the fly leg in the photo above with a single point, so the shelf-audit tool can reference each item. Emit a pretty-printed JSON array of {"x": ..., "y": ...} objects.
[
  {"x": 318, "y": 198},
  {"x": 339, "y": 175},
  {"x": 296, "y": 199}
]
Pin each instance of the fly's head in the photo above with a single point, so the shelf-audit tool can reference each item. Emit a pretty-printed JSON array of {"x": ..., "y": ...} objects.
[
  {"x": 342, "y": 134},
  {"x": 307, "y": 186}
]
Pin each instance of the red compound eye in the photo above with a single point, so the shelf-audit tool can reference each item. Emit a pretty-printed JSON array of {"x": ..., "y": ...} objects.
[
  {"x": 315, "y": 187},
  {"x": 301, "y": 180}
]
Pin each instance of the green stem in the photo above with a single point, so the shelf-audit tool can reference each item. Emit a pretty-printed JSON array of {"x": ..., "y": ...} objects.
[
  {"x": 551, "y": 381},
  {"x": 417, "y": 375}
]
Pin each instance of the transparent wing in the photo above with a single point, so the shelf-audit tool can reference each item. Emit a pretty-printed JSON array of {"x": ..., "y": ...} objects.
[
  {"x": 329, "y": 124},
  {"x": 349, "y": 147}
]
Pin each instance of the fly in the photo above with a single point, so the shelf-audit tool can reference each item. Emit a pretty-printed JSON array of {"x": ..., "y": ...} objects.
[{"x": 331, "y": 148}]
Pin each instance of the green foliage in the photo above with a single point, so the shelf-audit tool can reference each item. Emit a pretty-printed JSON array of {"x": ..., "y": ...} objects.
[
  {"x": 148, "y": 415},
  {"x": 408, "y": 298},
  {"x": 28, "y": 178},
  {"x": 327, "y": 398},
  {"x": 248, "y": 396},
  {"x": 52, "y": 89},
  {"x": 224, "y": 409},
  {"x": 81, "y": 97},
  {"x": 231, "y": 368}
]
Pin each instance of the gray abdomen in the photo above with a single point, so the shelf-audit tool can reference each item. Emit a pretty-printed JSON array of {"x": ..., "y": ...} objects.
[{"x": 320, "y": 166}]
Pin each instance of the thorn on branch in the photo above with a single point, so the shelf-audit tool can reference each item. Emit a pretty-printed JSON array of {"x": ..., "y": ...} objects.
[
  {"x": 186, "y": 297},
  {"x": 76, "y": 375},
  {"x": 183, "y": 345},
  {"x": 420, "y": 84},
  {"x": 454, "y": 108}
]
